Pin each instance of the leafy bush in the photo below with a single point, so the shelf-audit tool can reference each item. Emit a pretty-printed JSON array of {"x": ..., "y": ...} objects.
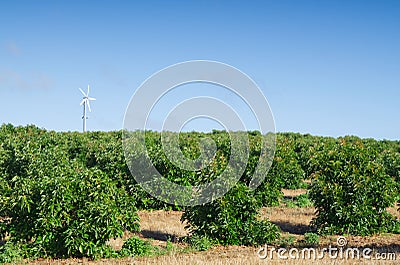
[
  {"x": 301, "y": 200},
  {"x": 11, "y": 253},
  {"x": 311, "y": 239},
  {"x": 285, "y": 242},
  {"x": 200, "y": 243},
  {"x": 231, "y": 219},
  {"x": 351, "y": 190},
  {"x": 69, "y": 216},
  {"x": 135, "y": 246},
  {"x": 53, "y": 204}
]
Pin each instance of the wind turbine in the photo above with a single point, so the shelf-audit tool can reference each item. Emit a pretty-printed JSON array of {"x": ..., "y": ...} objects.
[{"x": 85, "y": 102}]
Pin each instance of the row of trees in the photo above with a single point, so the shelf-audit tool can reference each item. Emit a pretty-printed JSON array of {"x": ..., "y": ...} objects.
[{"x": 67, "y": 193}]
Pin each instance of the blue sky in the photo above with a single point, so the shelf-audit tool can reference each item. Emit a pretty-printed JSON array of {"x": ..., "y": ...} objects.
[{"x": 326, "y": 67}]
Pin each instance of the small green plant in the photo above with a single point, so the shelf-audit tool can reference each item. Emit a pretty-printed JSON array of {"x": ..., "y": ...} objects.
[
  {"x": 135, "y": 246},
  {"x": 200, "y": 243},
  {"x": 289, "y": 203},
  {"x": 311, "y": 239},
  {"x": 301, "y": 200},
  {"x": 107, "y": 252},
  {"x": 169, "y": 247},
  {"x": 284, "y": 242},
  {"x": 396, "y": 227},
  {"x": 11, "y": 253}
]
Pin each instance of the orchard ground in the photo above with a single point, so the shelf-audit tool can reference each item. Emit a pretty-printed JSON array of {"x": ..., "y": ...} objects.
[{"x": 164, "y": 229}]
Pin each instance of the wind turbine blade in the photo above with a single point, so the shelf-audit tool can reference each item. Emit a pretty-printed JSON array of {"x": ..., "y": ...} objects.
[
  {"x": 83, "y": 101},
  {"x": 87, "y": 91},
  {"x": 88, "y": 104},
  {"x": 91, "y": 98},
  {"x": 82, "y": 92}
]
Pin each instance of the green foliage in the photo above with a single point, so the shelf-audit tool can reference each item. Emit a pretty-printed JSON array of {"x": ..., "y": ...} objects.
[
  {"x": 231, "y": 219},
  {"x": 135, "y": 246},
  {"x": 11, "y": 253},
  {"x": 200, "y": 243},
  {"x": 215, "y": 150},
  {"x": 55, "y": 205},
  {"x": 169, "y": 246},
  {"x": 65, "y": 194},
  {"x": 286, "y": 167},
  {"x": 269, "y": 192},
  {"x": 396, "y": 228},
  {"x": 70, "y": 216},
  {"x": 351, "y": 190},
  {"x": 311, "y": 239},
  {"x": 301, "y": 200},
  {"x": 391, "y": 162},
  {"x": 285, "y": 242}
]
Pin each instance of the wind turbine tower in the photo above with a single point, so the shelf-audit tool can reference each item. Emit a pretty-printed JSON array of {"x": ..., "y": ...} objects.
[{"x": 86, "y": 106}]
